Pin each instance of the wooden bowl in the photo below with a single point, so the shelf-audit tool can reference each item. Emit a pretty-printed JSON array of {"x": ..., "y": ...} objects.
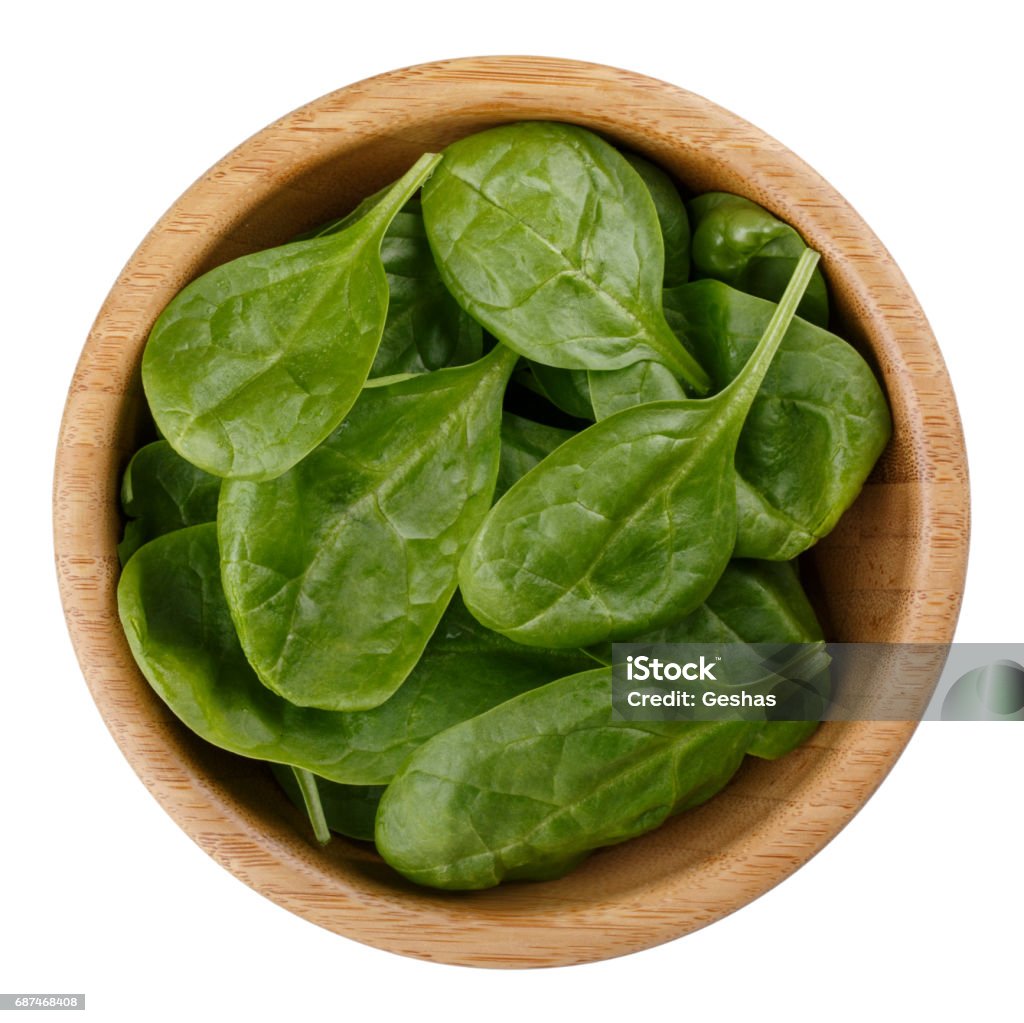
[{"x": 892, "y": 571}]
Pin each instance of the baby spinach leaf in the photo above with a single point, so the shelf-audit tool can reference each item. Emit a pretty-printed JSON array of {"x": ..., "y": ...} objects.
[
  {"x": 627, "y": 525},
  {"x": 546, "y": 235},
  {"x": 740, "y": 243},
  {"x": 567, "y": 389},
  {"x": 756, "y": 602},
  {"x": 814, "y": 431},
  {"x": 180, "y": 631},
  {"x": 527, "y": 789},
  {"x": 338, "y": 571},
  {"x": 179, "y": 628},
  {"x": 672, "y": 218},
  {"x": 753, "y": 602},
  {"x": 253, "y": 364},
  {"x": 465, "y": 670},
  {"x": 425, "y": 329},
  {"x": 524, "y": 443},
  {"x": 161, "y": 492},
  {"x": 348, "y": 810},
  {"x": 613, "y": 390}
]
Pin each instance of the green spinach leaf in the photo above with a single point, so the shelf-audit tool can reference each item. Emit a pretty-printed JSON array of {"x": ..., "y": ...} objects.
[
  {"x": 598, "y": 393},
  {"x": 546, "y": 235},
  {"x": 672, "y": 218},
  {"x": 348, "y": 810},
  {"x": 815, "y": 429},
  {"x": 613, "y": 390},
  {"x": 180, "y": 631},
  {"x": 524, "y": 443},
  {"x": 740, "y": 243},
  {"x": 627, "y": 525},
  {"x": 757, "y": 602},
  {"x": 253, "y": 364},
  {"x": 425, "y": 329},
  {"x": 338, "y": 571},
  {"x": 567, "y": 389},
  {"x": 527, "y": 789},
  {"x": 179, "y": 628},
  {"x": 753, "y": 602},
  {"x": 161, "y": 492},
  {"x": 464, "y": 671}
]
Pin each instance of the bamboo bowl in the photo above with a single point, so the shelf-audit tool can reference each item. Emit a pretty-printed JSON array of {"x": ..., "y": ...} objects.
[{"x": 892, "y": 571}]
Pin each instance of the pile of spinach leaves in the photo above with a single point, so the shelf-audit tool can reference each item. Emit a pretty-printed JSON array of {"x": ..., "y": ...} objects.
[{"x": 419, "y": 468}]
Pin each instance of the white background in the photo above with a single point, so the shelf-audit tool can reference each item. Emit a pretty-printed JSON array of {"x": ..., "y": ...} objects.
[{"x": 911, "y": 110}]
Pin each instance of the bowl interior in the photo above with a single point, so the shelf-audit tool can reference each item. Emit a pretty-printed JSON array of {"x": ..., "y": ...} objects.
[{"x": 884, "y": 575}]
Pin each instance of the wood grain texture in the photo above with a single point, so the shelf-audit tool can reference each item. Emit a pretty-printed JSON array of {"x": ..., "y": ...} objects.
[{"x": 892, "y": 570}]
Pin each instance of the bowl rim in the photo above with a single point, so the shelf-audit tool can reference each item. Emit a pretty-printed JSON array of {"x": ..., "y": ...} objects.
[{"x": 345, "y": 894}]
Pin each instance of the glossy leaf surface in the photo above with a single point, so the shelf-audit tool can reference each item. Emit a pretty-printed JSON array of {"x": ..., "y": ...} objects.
[
  {"x": 524, "y": 443},
  {"x": 815, "y": 429},
  {"x": 567, "y": 389},
  {"x": 338, "y": 572},
  {"x": 464, "y": 671},
  {"x": 161, "y": 492},
  {"x": 546, "y": 235},
  {"x": 672, "y": 219},
  {"x": 755, "y": 602},
  {"x": 627, "y": 525},
  {"x": 425, "y": 327},
  {"x": 612, "y": 391},
  {"x": 180, "y": 631},
  {"x": 740, "y": 243},
  {"x": 527, "y": 789},
  {"x": 253, "y": 364},
  {"x": 178, "y": 626}
]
